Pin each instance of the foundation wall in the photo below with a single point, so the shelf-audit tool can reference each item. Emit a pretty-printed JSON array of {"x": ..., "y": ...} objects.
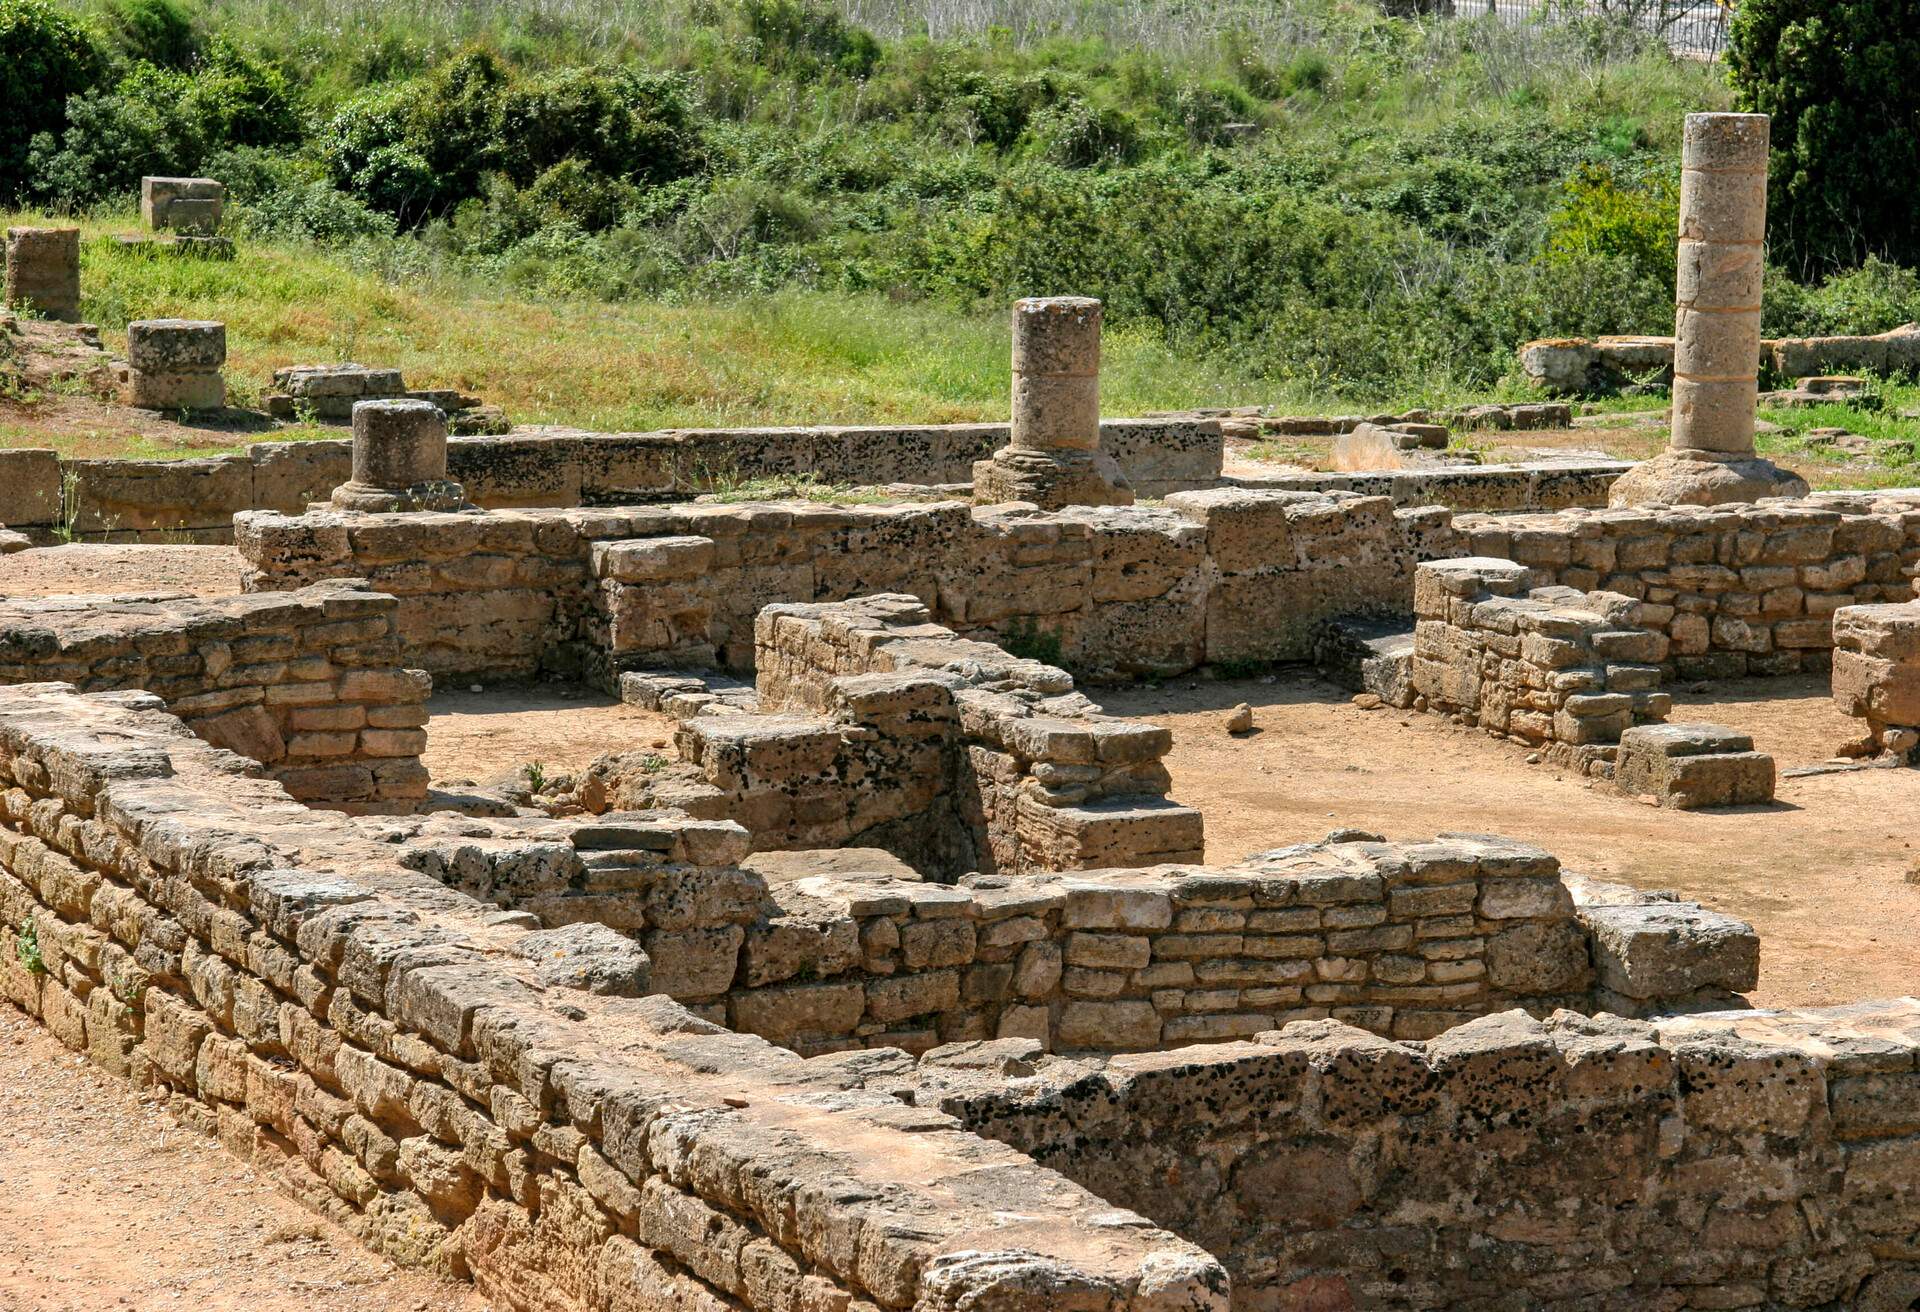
[
  {"x": 1492, "y": 489},
  {"x": 1547, "y": 666},
  {"x": 1215, "y": 576},
  {"x": 308, "y": 683},
  {"x": 1405, "y": 939},
  {"x": 1766, "y": 1160},
  {"x": 464, "y": 1092},
  {"x": 196, "y": 500},
  {"x": 1577, "y": 366},
  {"x": 1752, "y": 588}
]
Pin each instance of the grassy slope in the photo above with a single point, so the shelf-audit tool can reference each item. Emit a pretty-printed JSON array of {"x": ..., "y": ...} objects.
[{"x": 796, "y": 357}]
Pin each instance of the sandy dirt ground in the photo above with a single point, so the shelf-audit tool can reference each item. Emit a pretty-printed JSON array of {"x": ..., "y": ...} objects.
[
  {"x": 101, "y": 568},
  {"x": 107, "y": 1204},
  {"x": 1822, "y": 873},
  {"x": 485, "y": 737}
]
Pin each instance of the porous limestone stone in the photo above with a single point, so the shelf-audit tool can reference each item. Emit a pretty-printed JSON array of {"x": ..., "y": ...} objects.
[
  {"x": 43, "y": 271},
  {"x": 399, "y": 460}
]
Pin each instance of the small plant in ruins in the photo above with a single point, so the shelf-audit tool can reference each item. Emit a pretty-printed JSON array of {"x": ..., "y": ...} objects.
[
  {"x": 26, "y": 946},
  {"x": 1027, "y": 640},
  {"x": 653, "y": 763},
  {"x": 536, "y": 776}
]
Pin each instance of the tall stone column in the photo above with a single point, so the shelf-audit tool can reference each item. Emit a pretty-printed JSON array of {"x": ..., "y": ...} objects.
[
  {"x": 1053, "y": 456},
  {"x": 1710, "y": 458},
  {"x": 399, "y": 460}
]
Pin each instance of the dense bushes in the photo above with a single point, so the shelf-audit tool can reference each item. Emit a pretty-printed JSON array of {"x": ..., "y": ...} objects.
[
  {"x": 45, "y": 56},
  {"x": 1838, "y": 77},
  {"x": 1378, "y": 207}
]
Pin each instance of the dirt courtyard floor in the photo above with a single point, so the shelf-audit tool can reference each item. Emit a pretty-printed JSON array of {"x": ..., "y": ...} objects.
[
  {"x": 89, "y": 567},
  {"x": 1821, "y": 873},
  {"x": 106, "y": 1204}
]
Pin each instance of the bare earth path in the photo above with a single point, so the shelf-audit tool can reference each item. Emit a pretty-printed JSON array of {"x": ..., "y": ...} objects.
[
  {"x": 107, "y": 1204},
  {"x": 1821, "y": 873}
]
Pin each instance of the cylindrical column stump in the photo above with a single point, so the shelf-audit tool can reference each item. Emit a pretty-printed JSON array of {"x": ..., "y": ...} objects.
[
  {"x": 399, "y": 460},
  {"x": 174, "y": 364},
  {"x": 1053, "y": 455},
  {"x": 43, "y": 272},
  {"x": 1710, "y": 457}
]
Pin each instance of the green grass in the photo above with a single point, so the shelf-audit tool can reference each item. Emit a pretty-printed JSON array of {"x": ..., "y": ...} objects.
[{"x": 789, "y": 357}]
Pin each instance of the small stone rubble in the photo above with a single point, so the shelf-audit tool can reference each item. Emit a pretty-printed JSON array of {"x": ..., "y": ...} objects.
[{"x": 328, "y": 393}]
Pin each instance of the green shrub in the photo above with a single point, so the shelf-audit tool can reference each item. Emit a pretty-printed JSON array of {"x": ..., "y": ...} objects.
[
  {"x": 162, "y": 121},
  {"x": 45, "y": 57},
  {"x": 1597, "y": 216},
  {"x": 151, "y": 31},
  {"x": 1838, "y": 78}
]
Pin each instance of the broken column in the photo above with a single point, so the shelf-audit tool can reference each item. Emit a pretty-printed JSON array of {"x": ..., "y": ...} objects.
[
  {"x": 174, "y": 364},
  {"x": 1710, "y": 458},
  {"x": 399, "y": 460},
  {"x": 43, "y": 271},
  {"x": 189, "y": 205},
  {"x": 1053, "y": 455}
]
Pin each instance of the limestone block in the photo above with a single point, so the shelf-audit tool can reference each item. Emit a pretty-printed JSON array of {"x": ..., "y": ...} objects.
[
  {"x": 1689, "y": 766},
  {"x": 171, "y": 346},
  {"x": 43, "y": 271},
  {"x": 1671, "y": 950},
  {"x": 30, "y": 488},
  {"x": 182, "y": 204},
  {"x": 186, "y": 391}
]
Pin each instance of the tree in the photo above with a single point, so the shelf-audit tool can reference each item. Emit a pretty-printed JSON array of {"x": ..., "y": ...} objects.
[{"x": 1838, "y": 78}]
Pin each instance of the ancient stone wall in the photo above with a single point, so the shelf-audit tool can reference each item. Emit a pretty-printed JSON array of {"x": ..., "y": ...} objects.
[
  {"x": 874, "y": 727},
  {"x": 1492, "y": 489},
  {"x": 1765, "y": 1160},
  {"x": 196, "y": 500},
  {"x": 1578, "y": 366},
  {"x": 1111, "y": 592},
  {"x": 1404, "y": 939},
  {"x": 308, "y": 683},
  {"x": 1552, "y": 665},
  {"x": 463, "y": 1091},
  {"x": 1752, "y": 588}
]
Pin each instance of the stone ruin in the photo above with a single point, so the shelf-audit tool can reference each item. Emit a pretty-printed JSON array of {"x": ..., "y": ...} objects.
[
  {"x": 904, "y": 980},
  {"x": 43, "y": 271}
]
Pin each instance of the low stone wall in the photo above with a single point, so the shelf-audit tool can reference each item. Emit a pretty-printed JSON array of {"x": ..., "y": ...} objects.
[
  {"x": 308, "y": 683},
  {"x": 465, "y": 1092},
  {"x": 875, "y": 727},
  {"x": 1552, "y": 665},
  {"x": 1752, "y": 588},
  {"x": 1398, "y": 938},
  {"x": 1491, "y": 489},
  {"x": 1212, "y": 576},
  {"x": 1765, "y": 1160},
  {"x": 196, "y": 500},
  {"x": 1576, "y": 366}
]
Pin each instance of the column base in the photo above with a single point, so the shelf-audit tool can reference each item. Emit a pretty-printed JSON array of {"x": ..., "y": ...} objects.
[
  {"x": 1050, "y": 479},
  {"x": 440, "y": 494},
  {"x": 1703, "y": 478}
]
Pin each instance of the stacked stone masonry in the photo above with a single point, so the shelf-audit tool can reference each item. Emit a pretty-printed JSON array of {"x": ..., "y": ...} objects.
[
  {"x": 1547, "y": 666},
  {"x": 308, "y": 684},
  {"x": 1752, "y": 589},
  {"x": 1404, "y": 939},
  {"x": 1876, "y": 671},
  {"x": 1769, "y": 1160},
  {"x": 169, "y": 501},
  {"x": 1212, "y": 576},
  {"x": 874, "y": 727},
  {"x": 466, "y": 1092}
]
